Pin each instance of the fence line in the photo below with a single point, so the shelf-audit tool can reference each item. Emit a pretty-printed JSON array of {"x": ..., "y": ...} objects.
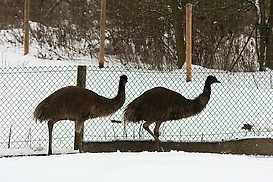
[{"x": 241, "y": 98}]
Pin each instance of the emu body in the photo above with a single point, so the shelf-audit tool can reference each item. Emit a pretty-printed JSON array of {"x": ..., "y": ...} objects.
[
  {"x": 160, "y": 104},
  {"x": 78, "y": 105}
]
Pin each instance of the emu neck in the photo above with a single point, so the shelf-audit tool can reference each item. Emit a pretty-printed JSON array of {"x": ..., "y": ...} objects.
[
  {"x": 121, "y": 87},
  {"x": 205, "y": 96},
  {"x": 207, "y": 87},
  {"x": 120, "y": 98},
  {"x": 200, "y": 102}
]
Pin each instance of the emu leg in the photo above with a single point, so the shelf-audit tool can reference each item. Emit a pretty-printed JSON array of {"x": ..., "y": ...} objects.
[
  {"x": 50, "y": 128},
  {"x": 156, "y": 132},
  {"x": 156, "y": 129},
  {"x": 78, "y": 142},
  {"x": 146, "y": 127},
  {"x": 78, "y": 135}
]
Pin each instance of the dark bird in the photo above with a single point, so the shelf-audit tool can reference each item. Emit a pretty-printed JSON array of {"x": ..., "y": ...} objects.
[
  {"x": 78, "y": 105},
  {"x": 247, "y": 127},
  {"x": 160, "y": 104}
]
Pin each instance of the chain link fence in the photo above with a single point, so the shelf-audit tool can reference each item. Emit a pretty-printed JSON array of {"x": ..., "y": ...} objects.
[{"x": 242, "y": 100}]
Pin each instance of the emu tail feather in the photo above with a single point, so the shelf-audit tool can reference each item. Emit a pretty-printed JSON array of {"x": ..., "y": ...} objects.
[
  {"x": 39, "y": 113},
  {"x": 130, "y": 115}
]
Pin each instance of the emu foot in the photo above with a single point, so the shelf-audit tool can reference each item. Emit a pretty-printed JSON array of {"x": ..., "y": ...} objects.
[
  {"x": 159, "y": 147},
  {"x": 76, "y": 137},
  {"x": 49, "y": 152},
  {"x": 162, "y": 149},
  {"x": 78, "y": 142}
]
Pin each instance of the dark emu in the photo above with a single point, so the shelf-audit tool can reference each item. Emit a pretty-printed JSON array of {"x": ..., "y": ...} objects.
[
  {"x": 78, "y": 105},
  {"x": 160, "y": 104}
]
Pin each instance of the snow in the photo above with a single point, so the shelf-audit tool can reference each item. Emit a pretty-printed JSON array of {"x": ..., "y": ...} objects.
[
  {"x": 134, "y": 167},
  {"x": 13, "y": 57}
]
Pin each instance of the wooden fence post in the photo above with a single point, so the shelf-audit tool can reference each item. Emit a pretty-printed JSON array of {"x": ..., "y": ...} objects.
[
  {"x": 188, "y": 41},
  {"x": 81, "y": 76},
  {"x": 102, "y": 32},
  {"x": 26, "y": 27},
  {"x": 81, "y": 82}
]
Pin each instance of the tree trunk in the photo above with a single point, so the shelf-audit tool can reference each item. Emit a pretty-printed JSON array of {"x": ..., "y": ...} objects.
[
  {"x": 178, "y": 31},
  {"x": 269, "y": 50},
  {"x": 262, "y": 31}
]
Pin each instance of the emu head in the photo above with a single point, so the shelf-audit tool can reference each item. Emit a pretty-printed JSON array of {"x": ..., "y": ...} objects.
[
  {"x": 123, "y": 80},
  {"x": 211, "y": 79}
]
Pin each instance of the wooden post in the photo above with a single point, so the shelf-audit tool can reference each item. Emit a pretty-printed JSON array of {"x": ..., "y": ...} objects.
[
  {"x": 81, "y": 82},
  {"x": 81, "y": 76},
  {"x": 188, "y": 41},
  {"x": 26, "y": 27},
  {"x": 102, "y": 32}
]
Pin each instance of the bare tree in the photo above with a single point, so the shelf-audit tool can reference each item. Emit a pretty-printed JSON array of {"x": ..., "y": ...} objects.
[
  {"x": 151, "y": 33},
  {"x": 177, "y": 17},
  {"x": 140, "y": 33},
  {"x": 220, "y": 32},
  {"x": 269, "y": 51}
]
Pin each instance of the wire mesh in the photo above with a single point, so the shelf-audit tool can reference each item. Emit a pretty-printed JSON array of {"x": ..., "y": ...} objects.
[{"x": 241, "y": 98}]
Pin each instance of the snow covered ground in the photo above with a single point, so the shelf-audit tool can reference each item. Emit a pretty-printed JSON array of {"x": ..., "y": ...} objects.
[
  {"x": 133, "y": 167},
  {"x": 136, "y": 167}
]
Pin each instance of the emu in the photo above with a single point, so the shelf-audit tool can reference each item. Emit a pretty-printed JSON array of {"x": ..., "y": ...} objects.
[
  {"x": 78, "y": 105},
  {"x": 160, "y": 104}
]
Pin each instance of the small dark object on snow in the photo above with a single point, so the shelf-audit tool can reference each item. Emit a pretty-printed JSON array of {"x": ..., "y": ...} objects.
[
  {"x": 247, "y": 127},
  {"x": 115, "y": 121}
]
